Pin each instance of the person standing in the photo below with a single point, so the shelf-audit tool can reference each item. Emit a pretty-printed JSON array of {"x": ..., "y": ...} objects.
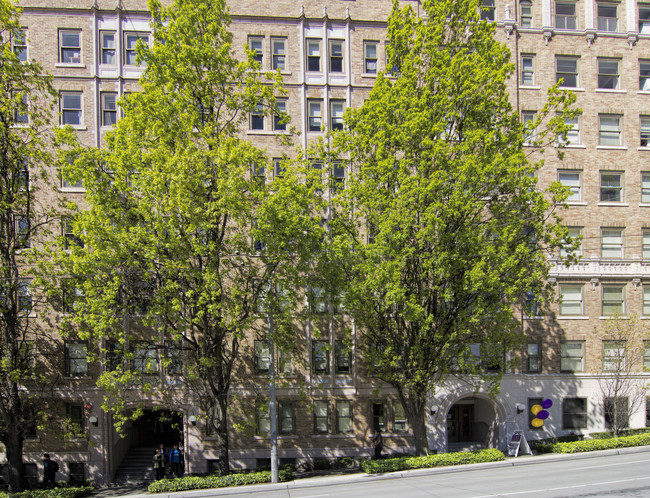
[
  {"x": 159, "y": 463},
  {"x": 176, "y": 458},
  {"x": 50, "y": 468},
  {"x": 378, "y": 443}
]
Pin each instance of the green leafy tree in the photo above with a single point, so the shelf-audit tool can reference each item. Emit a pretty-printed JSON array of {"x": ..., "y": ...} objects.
[
  {"x": 441, "y": 232},
  {"x": 25, "y": 105},
  {"x": 183, "y": 250}
]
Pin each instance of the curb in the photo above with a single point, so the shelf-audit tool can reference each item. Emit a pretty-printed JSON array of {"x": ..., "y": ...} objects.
[{"x": 356, "y": 478}]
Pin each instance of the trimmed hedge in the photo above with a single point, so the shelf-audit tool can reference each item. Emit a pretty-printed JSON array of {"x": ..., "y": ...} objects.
[
  {"x": 52, "y": 493},
  {"x": 595, "y": 444},
  {"x": 215, "y": 481},
  {"x": 438, "y": 460},
  {"x": 625, "y": 432}
]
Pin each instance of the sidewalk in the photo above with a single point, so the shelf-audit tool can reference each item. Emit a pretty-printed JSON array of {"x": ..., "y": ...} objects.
[{"x": 310, "y": 482}]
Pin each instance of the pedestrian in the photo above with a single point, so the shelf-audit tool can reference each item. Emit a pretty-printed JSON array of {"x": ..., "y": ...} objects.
[
  {"x": 50, "y": 468},
  {"x": 177, "y": 460},
  {"x": 159, "y": 463},
  {"x": 378, "y": 443}
]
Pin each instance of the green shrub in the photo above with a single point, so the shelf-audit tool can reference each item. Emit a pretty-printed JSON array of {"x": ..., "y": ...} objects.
[
  {"x": 322, "y": 464},
  {"x": 214, "y": 481},
  {"x": 626, "y": 432},
  {"x": 343, "y": 463},
  {"x": 72, "y": 492},
  {"x": 438, "y": 460},
  {"x": 595, "y": 444}
]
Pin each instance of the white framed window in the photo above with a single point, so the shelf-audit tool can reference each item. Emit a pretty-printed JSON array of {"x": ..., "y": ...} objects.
[
  {"x": 574, "y": 413},
  {"x": 279, "y": 53},
  {"x": 336, "y": 56},
  {"x": 337, "y": 177},
  {"x": 613, "y": 356},
  {"x": 256, "y": 45},
  {"x": 572, "y": 180},
  {"x": 336, "y": 114},
  {"x": 109, "y": 108},
  {"x": 278, "y": 167},
  {"x": 573, "y": 134},
  {"x": 315, "y": 114},
  {"x": 531, "y": 305},
  {"x": 313, "y": 55},
  {"x": 565, "y": 15},
  {"x": 607, "y": 17},
  {"x": 645, "y": 244},
  {"x": 19, "y": 44},
  {"x": 646, "y": 312},
  {"x": 611, "y": 243},
  {"x": 107, "y": 40},
  {"x": 22, "y": 230},
  {"x": 571, "y": 300},
  {"x": 145, "y": 359},
  {"x": 644, "y": 19},
  {"x": 566, "y": 69},
  {"x": 528, "y": 119},
  {"x": 321, "y": 417},
  {"x": 644, "y": 131},
  {"x": 71, "y": 110},
  {"x": 262, "y": 356},
  {"x": 611, "y": 186},
  {"x": 320, "y": 357},
  {"x": 613, "y": 300},
  {"x": 343, "y": 417},
  {"x": 533, "y": 358},
  {"x": 21, "y": 112},
  {"x": 608, "y": 76},
  {"x": 572, "y": 356},
  {"x": 286, "y": 417},
  {"x": 370, "y": 57},
  {"x": 400, "y": 423},
  {"x": 488, "y": 10},
  {"x": 130, "y": 43},
  {"x": 70, "y": 46},
  {"x": 527, "y": 69},
  {"x": 609, "y": 129},
  {"x": 25, "y": 295},
  {"x": 257, "y": 118},
  {"x": 280, "y": 119},
  {"x": 644, "y": 74},
  {"x": 76, "y": 359},
  {"x": 285, "y": 363},
  {"x": 342, "y": 357},
  {"x": 263, "y": 419},
  {"x": 576, "y": 234},
  {"x": 526, "y": 14}
]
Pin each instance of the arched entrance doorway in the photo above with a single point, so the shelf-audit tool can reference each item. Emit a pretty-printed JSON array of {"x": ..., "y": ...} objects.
[
  {"x": 472, "y": 424},
  {"x": 157, "y": 426}
]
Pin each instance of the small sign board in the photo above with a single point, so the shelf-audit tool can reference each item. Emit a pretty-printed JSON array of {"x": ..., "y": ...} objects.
[{"x": 518, "y": 444}]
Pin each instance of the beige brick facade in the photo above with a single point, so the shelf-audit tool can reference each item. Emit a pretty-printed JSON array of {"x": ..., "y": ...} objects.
[{"x": 357, "y": 24}]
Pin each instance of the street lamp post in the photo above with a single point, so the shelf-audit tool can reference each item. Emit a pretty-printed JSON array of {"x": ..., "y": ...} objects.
[{"x": 273, "y": 412}]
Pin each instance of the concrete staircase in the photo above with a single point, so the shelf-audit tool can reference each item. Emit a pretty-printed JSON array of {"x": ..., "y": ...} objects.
[{"x": 136, "y": 467}]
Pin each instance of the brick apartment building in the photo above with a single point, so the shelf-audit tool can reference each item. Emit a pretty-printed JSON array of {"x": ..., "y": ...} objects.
[{"x": 329, "y": 52}]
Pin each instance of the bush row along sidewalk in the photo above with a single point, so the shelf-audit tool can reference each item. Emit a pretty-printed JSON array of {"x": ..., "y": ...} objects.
[
  {"x": 76, "y": 492},
  {"x": 214, "y": 481},
  {"x": 441, "y": 460},
  {"x": 595, "y": 444}
]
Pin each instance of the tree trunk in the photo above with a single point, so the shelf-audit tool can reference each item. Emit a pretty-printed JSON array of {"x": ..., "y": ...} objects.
[
  {"x": 222, "y": 436},
  {"x": 13, "y": 442},
  {"x": 415, "y": 411}
]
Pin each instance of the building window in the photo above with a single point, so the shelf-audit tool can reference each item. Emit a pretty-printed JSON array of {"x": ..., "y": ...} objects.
[
  {"x": 71, "y": 109},
  {"x": 400, "y": 424},
  {"x": 609, "y": 130},
  {"x": 645, "y": 245},
  {"x": 262, "y": 357},
  {"x": 263, "y": 419},
  {"x": 343, "y": 417},
  {"x": 370, "y": 57},
  {"x": 287, "y": 417},
  {"x": 278, "y": 168},
  {"x": 572, "y": 356},
  {"x": 315, "y": 114},
  {"x": 21, "y": 113},
  {"x": 488, "y": 10},
  {"x": 317, "y": 300},
  {"x": 611, "y": 187},
  {"x": 279, "y": 53},
  {"x": 130, "y": 43},
  {"x": 109, "y": 109},
  {"x": 613, "y": 300},
  {"x": 107, "y": 39},
  {"x": 22, "y": 231},
  {"x": 532, "y": 402},
  {"x": 74, "y": 425},
  {"x": 527, "y": 69},
  {"x": 255, "y": 46},
  {"x": 173, "y": 362},
  {"x": 526, "y": 17},
  {"x": 336, "y": 115},
  {"x": 285, "y": 363},
  {"x": 644, "y": 19},
  {"x": 343, "y": 356},
  {"x": 321, "y": 417},
  {"x": 645, "y": 131},
  {"x": 611, "y": 243},
  {"x": 320, "y": 357},
  {"x": 613, "y": 356},
  {"x": 336, "y": 56},
  {"x": 76, "y": 359},
  {"x": 528, "y": 119},
  {"x": 565, "y": 15},
  {"x": 572, "y": 181},
  {"x": 257, "y": 118},
  {"x": 338, "y": 184},
  {"x": 70, "y": 46},
  {"x": 607, "y": 17},
  {"x": 19, "y": 45},
  {"x": 644, "y": 74},
  {"x": 378, "y": 416},
  {"x": 533, "y": 358},
  {"x": 258, "y": 173},
  {"x": 573, "y": 134},
  {"x": 70, "y": 239},
  {"x": 313, "y": 55},
  {"x": 616, "y": 409},
  {"x": 575, "y": 233},
  {"x": 145, "y": 359},
  {"x": 646, "y": 356},
  {"x": 566, "y": 69},
  {"x": 531, "y": 305},
  {"x": 25, "y": 295},
  {"x": 76, "y": 472},
  {"x": 608, "y": 73},
  {"x": 571, "y": 300}
]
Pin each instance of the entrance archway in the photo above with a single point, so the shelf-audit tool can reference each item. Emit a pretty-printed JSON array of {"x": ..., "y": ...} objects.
[
  {"x": 158, "y": 426},
  {"x": 472, "y": 424}
]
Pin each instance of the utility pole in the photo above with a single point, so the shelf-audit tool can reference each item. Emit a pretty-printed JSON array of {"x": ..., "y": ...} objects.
[{"x": 272, "y": 409}]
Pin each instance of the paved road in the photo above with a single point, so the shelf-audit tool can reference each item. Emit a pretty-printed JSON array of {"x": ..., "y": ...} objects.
[{"x": 609, "y": 475}]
